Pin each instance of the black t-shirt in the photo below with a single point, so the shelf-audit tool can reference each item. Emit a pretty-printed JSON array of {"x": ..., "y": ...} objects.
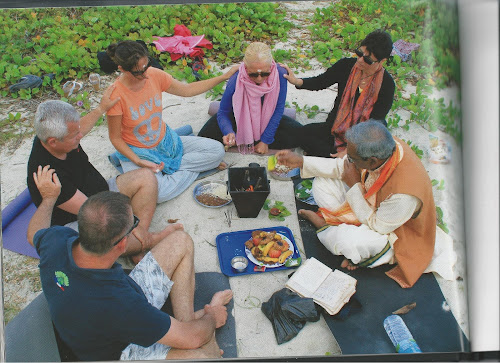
[
  {"x": 339, "y": 73},
  {"x": 75, "y": 173}
]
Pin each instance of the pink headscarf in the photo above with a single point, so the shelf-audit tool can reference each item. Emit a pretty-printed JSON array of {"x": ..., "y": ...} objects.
[{"x": 250, "y": 114}]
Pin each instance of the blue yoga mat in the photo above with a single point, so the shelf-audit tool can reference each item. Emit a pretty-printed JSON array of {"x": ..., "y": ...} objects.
[
  {"x": 434, "y": 327},
  {"x": 15, "y": 219}
]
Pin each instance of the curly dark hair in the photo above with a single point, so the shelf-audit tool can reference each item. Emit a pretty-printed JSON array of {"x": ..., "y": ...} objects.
[{"x": 378, "y": 43}]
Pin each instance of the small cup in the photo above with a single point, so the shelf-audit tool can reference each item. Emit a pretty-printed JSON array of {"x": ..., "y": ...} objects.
[
  {"x": 95, "y": 81},
  {"x": 239, "y": 263}
]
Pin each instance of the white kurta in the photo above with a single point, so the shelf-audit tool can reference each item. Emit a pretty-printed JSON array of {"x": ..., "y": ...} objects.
[{"x": 358, "y": 243}]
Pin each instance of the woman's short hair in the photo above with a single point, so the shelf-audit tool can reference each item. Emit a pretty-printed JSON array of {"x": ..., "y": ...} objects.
[
  {"x": 378, "y": 43},
  {"x": 127, "y": 53},
  {"x": 372, "y": 139},
  {"x": 258, "y": 52},
  {"x": 102, "y": 219},
  {"x": 52, "y": 117}
]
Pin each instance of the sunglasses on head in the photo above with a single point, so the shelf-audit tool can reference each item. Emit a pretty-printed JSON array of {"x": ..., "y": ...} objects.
[
  {"x": 257, "y": 74},
  {"x": 140, "y": 73},
  {"x": 366, "y": 58},
  {"x": 136, "y": 222}
]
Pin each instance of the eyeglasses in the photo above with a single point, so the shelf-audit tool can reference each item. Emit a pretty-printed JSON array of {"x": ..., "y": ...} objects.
[
  {"x": 366, "y": 58},
  {"x": 136, "y": 222},
  {"x": 257, "y": 74},
  {"x": 140, "y": 73}
]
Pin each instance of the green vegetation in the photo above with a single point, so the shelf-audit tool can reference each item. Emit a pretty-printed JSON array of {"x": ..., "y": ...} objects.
[
  {"x": 340, "y": 28},
  {"x": 65, "y": 41},
  {"x": 440, "y": 222},
  {"x": 310, "y": 111}
]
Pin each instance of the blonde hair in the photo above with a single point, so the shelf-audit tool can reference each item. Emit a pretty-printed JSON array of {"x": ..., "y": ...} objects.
[{"x": 258, "y": 52}]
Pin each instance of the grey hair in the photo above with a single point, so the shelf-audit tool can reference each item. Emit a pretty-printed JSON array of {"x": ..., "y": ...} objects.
[
  {"x": 102, "y": 218},
  {"x": 258, "y": 52},
  {"x": 372, "y": 139},
  {"x": 52, "y": 117}
]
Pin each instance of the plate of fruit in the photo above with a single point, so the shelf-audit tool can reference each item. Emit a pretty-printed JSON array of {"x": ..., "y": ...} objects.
[{"x": 269, "y": 249}]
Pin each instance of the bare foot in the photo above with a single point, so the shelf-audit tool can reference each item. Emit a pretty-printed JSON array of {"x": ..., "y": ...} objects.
[
  {"x": 312, "y": 217},
  {"x": 222, "y": 166},
  {"x": 212, "y": 349},
  {"x": 348, "y": 264},
  {"x": 221, "y": 298}
]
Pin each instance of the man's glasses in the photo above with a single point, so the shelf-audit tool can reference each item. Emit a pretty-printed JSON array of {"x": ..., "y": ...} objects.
[
  {"x": 140, "y": 73},
  {"x": 366, "y": 58},
  {"x": 136, "y": 222},
  {"x": 257, "y": 74}
]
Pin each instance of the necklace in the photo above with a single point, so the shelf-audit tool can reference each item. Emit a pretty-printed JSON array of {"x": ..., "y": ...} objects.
[{"x": 371, "y": 74}]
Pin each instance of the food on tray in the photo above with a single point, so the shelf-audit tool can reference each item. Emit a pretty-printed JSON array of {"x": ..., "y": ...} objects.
[{"x": 268, "y": 247}]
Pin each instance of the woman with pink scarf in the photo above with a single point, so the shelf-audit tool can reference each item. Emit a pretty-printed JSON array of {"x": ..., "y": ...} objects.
[{"x": 250, "y": 115}]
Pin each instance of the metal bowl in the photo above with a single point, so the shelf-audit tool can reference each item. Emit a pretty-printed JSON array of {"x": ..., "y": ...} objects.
[
  {"x": 239, "y": 263},
  {"x": 284, "y": 176},
  {"x": 207, "y": 186}
]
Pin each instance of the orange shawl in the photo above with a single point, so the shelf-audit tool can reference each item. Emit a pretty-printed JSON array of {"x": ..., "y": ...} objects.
[
  {"x": 350, "y": 114},
  {"x": 344, "y": 213}
]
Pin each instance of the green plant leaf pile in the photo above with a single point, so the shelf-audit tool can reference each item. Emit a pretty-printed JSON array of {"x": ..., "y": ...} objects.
[
  {"x": 65, "y": 41},
  {"x": 268, "y": 204}
]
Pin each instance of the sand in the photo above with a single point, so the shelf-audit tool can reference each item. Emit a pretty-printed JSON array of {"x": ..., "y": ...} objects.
[{"x": 255, "y": 337}]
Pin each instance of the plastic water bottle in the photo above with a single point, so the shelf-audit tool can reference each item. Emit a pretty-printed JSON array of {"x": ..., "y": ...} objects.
[{"x": 400, "y": 335}]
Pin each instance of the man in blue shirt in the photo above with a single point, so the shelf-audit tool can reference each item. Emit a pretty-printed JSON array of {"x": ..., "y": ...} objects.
[{"x": 100, "y": 312}]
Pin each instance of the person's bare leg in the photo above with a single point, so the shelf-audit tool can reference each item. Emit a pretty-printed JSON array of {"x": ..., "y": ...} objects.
[
  {"x": 312, "y": 217},
  {"x": 209, "y": 350},
  {"x": 141, "y": 187},
  {"x": 175, "y": 255}
]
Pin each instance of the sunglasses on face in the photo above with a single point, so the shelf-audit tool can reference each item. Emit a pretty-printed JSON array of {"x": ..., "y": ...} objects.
[
  {"x": 366, "y": 58},
  {"x": 136, "y": 222},
  {"x": 257, "y": 74},
  {"x": 140, "y": 73}
]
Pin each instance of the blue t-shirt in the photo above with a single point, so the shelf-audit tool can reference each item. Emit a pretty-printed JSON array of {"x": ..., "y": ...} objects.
[
  {"x": 226, "y": 108},
  {"x": 97, "y": 312}
]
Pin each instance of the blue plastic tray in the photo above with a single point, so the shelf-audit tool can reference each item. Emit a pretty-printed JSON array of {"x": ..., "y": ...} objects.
[{"x": 232, "y": 244}]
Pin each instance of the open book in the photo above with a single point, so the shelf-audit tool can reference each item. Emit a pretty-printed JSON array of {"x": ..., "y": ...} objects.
[{"x": 329, "y": 289}]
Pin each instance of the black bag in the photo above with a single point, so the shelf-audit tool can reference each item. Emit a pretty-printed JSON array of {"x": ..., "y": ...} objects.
[{"x": 288, "y": 313}]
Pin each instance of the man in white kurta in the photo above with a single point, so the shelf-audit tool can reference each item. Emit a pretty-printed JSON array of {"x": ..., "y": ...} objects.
[
  {"x": 370, "y": 241},
  {"x": 357, "y": 243}
]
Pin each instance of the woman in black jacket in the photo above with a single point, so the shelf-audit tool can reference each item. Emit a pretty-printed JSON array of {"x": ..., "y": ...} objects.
[{"x": 365, "y": 91}]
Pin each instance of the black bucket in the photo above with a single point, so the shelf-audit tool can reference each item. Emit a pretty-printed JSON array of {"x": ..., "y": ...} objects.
[{"x": 248, "y": 203}]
